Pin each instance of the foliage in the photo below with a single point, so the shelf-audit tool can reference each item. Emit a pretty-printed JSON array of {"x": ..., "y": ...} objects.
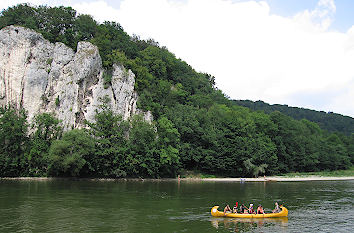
[
  {"x": 46, "y": 129},
  {"x": 168, "y": 144},
  {"x": 337, "y": 173},
  {"x": 108, "y": 131},
  {"x": 107, "y": 79},
  {"x": 142, "y": 158},
  {"x": 196, "y": 127},
  {"x": 68, "y": 156},
  {"x": 57, "y": 101},
  {"x": 13, "y": 140},
  {"x": 330, "y": 121}
]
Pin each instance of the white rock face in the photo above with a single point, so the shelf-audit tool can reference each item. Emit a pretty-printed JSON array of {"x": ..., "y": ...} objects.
[{"x": 45, "y": 77}]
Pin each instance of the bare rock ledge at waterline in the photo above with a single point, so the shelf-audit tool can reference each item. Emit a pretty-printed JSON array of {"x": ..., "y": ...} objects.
[{"x": 44, "y": 77}]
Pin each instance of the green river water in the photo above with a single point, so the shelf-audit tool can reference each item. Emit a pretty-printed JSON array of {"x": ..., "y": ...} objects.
[{"x": 170, "y": 206}]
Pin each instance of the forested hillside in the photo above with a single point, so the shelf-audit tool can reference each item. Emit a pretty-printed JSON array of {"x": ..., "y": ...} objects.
[
  {"x": 330, "y": 121},
  {"x": 195, "y": 126}
]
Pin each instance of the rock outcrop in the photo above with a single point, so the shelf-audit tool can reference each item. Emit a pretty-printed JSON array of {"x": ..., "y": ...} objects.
[{"x": 44, "y": 77}]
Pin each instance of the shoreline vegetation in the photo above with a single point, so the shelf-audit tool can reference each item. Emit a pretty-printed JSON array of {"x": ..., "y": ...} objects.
[
  {"x": 194, "y": 179},
  {"x": 194, "y": 176},
  {"x": 295, "y": 176},
  {"x": 195, "y": 126}
]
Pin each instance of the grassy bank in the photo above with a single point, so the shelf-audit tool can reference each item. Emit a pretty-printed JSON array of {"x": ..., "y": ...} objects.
[{"x": 338, "y": 173}]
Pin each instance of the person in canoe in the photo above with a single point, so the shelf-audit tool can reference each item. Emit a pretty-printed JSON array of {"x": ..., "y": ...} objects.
[
  {"x": 260, "y": 210},
  {"x": 227, "y": 209},
  {"x": 276, "y": 209},
  {"x": 243, "y": 209},
  {"x": 234, "y": 210},
  {"x": 251, "y": 210}
]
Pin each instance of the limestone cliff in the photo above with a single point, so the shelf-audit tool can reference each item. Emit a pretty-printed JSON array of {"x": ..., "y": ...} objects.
[{"x": 45, "y": 77}]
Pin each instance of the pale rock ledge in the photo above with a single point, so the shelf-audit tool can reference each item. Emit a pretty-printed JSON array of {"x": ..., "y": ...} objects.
[{"x": 45, "y": 77}]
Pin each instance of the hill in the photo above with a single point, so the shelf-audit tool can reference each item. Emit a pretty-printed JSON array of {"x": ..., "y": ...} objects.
[
  {"x": 194, "y": 127},
  {"x": 330, "y": 121}
]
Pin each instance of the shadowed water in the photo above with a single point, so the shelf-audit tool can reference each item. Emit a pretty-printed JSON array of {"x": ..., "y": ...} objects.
[{"x": 171, "y": 206}]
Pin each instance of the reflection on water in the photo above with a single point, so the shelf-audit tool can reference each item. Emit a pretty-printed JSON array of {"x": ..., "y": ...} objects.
[
  {"x": 249, "y": 224},
  {"x": 171, "y": 206}
]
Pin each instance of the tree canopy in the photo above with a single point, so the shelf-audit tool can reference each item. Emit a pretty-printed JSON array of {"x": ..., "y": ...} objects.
[
  {"x": 195, "y": 127},
  {"x": 329, "y": 121}
]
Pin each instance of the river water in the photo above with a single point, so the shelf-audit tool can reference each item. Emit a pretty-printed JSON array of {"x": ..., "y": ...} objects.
[{"x": 171, "y": 206}]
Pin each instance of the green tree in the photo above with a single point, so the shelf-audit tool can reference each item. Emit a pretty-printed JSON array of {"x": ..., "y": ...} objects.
[
  {"x": 68, "y": 156},
  {"x": 185, "y": 120},
  {"x": 254, "y": 169},
  {"x": 350, "y": 146},
  {"x": 13, "y": 141},
  {"x": 56, "y": 24},
  {"x": 21, "y": 14},
  {"x": 109, "y": 131},
  {"x": 168, "y": 144},
  {"x": 286, "y": 142},
  {"x": 143, "y": 159},
  {"x": 334, "y": 154},
  {"x": 111, "y": 36},
  {"x": 45, "y": 128},
  {"x": 85, "y": 28}
]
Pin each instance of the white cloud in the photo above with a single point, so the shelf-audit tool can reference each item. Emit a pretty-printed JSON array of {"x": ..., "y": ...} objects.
[
  {"x": 319, "y": 18},
  {"x": 99, "y": 9},
  {"x": 253, "y": 54},
  {"x": 4, "y": 4}
]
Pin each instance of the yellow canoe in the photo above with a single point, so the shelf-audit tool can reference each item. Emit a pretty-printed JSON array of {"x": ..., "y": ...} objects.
[{"x": 216, "y": 213}]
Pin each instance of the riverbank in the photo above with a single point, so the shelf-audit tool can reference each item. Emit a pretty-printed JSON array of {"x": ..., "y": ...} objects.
[
  {"x": 224, "y": 179},
  {"x": 274, "y": 179},
  {"x": 295, "y": 176},
  {"x": 198, "y": 177}
]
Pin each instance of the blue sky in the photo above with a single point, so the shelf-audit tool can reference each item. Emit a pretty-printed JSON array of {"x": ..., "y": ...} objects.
[
  {"x": 344, "y": 17},
  {"x": 294, "y": 52}
]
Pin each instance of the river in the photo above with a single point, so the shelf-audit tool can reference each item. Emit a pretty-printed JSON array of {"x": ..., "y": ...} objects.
[{"x": 63, "y": 205}]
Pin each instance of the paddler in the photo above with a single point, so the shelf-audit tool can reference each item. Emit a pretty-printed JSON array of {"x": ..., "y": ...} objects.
[
  {"x": 227, "y": 210},
  {"x": 234, "y": 210},
  {"x": 276, "y": 209},
  {"x": 243, "y": 209},
  {"x": 260, "y": 210},
  {"x": 250, "y": 210}
]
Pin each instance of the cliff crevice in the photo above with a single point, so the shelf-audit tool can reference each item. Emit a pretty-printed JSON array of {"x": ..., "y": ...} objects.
[{"x": 44, "y": 77}]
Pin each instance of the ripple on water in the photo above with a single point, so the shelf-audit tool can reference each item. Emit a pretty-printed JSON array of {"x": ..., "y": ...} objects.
[{"x": 78, "y": 206}]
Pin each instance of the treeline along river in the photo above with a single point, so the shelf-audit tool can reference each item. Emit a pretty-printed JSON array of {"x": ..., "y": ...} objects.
[
  {"x": 195, "y": 125},
  {"x": 63, "y": 205}
]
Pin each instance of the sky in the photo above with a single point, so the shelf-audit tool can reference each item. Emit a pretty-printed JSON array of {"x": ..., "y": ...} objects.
[{"x": 294, "y": 52}]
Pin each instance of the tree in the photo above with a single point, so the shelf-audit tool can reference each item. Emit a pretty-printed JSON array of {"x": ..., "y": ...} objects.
[
  {"x": 350, "y": 146},
  {"x": 254, "y": 169},
  {"x": 143, "y": 159},
  {"x": 286, "y": 142},
  {"x": 109, "y": 131},
  {"x": 197, "y": 127},
  {"x": 21, "y": 14},
  {"x": 185, "y": 120},
  {"x": 168, "y": 145},
  {"x": 328, "y": 121},
  {"x": 111, "y": 36},
  {"x": 334, "y": 154},
  {"x": 56, "y": 24},
  {"x": 46, "y": 129},
  {"x": 68, "y": 156},
  {"x": 13, "y": 140},
  {"x": 85, "y": 28}
]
